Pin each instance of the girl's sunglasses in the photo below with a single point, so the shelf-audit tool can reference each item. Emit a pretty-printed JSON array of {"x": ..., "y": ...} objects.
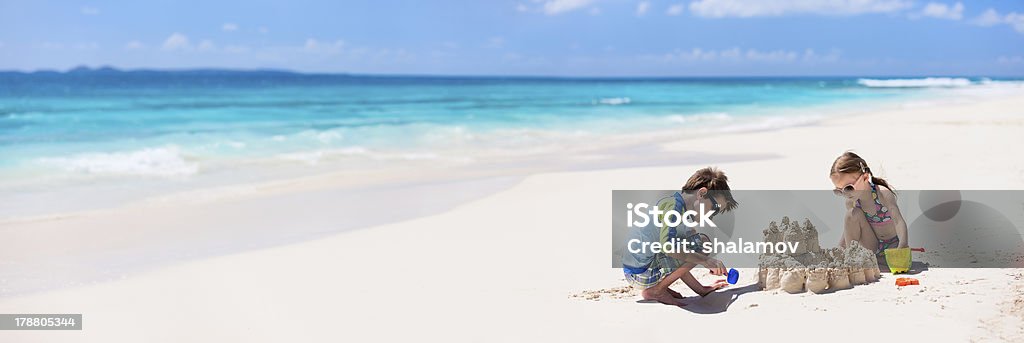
[
  {"x": 845, "y": 190},
  {"x": 714, "y": 206}
]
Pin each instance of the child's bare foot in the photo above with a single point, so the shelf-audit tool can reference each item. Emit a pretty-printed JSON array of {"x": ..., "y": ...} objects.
[{"x": 663, "y": 297}]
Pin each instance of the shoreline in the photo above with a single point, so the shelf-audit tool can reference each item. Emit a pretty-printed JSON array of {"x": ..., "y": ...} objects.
[
  {"x": 39, "y": 198},
  {"x": 622, "y": 147}
]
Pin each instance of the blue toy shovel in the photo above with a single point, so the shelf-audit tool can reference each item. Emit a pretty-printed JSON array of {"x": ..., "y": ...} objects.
[{"x": 734, "y": 276}]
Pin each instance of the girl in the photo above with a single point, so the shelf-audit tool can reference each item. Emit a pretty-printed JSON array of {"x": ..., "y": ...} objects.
[{"x": 872, "y": 218}]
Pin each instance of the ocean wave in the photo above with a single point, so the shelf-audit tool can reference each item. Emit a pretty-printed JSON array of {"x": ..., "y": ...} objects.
[
  {"x": 915, "y": 83},
  {"x": 699, "y": 117},
  {"x": 614, "y": 101},
  {"x": 1002, "y": 83},
  {"x": 166, "y": 161}
]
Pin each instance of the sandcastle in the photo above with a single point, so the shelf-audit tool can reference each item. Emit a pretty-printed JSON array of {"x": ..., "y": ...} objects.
[{"x": 810, "y": 267}]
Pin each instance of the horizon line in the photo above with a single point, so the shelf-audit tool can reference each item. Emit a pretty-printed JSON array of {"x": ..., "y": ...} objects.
[{"x": 108, "y": 68}]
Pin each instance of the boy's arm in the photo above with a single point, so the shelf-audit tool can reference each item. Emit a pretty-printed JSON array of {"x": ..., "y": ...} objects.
[
  {"x": 700, "y": 289},
  {"x": 714, "y": 266}
]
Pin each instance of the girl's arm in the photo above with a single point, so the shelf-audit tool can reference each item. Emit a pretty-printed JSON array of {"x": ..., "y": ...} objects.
[
  {"x": 901, "y": 228},
  {"x": 842, "y": 237},
  {"x": 897, "y": 218}
]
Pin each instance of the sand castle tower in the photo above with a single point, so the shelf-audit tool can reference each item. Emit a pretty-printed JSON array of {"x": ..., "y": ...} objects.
[{"x": 809, "y": 267}]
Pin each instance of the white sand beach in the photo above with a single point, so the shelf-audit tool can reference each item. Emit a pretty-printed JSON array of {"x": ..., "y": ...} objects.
[{"x": 538, "y": 272}]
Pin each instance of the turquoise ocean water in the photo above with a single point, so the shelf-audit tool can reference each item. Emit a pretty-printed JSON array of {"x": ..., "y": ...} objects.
[{"x": 169, "y": 128}]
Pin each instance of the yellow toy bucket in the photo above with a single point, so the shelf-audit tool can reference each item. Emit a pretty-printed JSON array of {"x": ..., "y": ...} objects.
[{"x": 898, "y": 260}]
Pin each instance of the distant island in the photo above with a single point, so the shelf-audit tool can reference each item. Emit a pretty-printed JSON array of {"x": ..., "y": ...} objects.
[
  {"x": 271, "y": 72},
  {"x": 198, "y": 71}
]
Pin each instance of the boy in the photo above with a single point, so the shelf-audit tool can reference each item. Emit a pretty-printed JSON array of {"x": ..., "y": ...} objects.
[{"x": 655, "y": 272}]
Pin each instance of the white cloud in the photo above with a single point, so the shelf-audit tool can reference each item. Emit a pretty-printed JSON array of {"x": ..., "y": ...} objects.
[
  {"x": 553, "y": 7},
  {"x": 988, "y": 18},
  {"x": 90, "y": 10},
  {"x": 1016, "y": 20},
  {"x": 595, "y": 11},
  {"x": 772, "y": 56},
  {"x": 759, "y": 8},
  {"x": 263, "y": 30},
  {"x": 736, "y": 54},
  {"x": 229, "y": 27},
  {"x": 176, "y": 41},
  {"x": 520, "y": 7},
  {"x": 698, "y": 54},
  {"x": 1010, "y": 59},
  {"x": 676, "y": 9},
  {"x": 133, "y": 45},
  {"x": 991, "y": 18},
  {"x": 642, "y": 7},
  {"x": 313, "y": 45},
  {"x": 811, "y": 56},
  {"x": 181, "y": 42},
  {"x": 943, "y": 11}
]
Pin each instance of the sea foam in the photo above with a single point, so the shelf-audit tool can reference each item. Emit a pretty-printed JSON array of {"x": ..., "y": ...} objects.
[
  {"x": 699, "y": 117},
  {"x": 915, "y": 83},
  {"x": 166, "y": 161},
  {"x": 614, "y": 101}
]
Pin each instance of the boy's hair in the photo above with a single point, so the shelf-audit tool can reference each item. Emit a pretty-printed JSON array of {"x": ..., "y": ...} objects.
[{"x": 715, "y": 181}]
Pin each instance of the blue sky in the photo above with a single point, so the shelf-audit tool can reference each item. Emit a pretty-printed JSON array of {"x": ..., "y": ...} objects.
[{"x": 525, "y": 37}]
